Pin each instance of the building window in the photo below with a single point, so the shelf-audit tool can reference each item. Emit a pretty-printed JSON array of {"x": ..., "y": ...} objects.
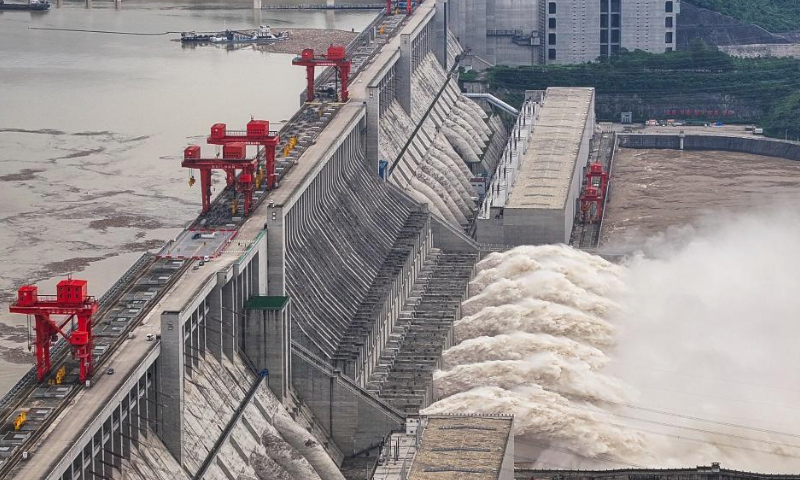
[
  {"x": 603, "y": 5},
  {"x": 668, "y": 22},
  {"x": 615, "y": 6},
  {"x": 551, "y": 8},
  {"x": 604, "y": 50},
  {"x": 614, "y": 49},
  {"x": 603, "y": 20},
  {"x": 614, "y": 36},
  {"x": 551, "y": 54},
  {"x": 551, "y": 23},
  {"x": 603, "y": 36},
  {"x": 669, "y": 49},
  {"x": 615, "y": 22},
  {"x": 668, "y": 37},
  {"x": 551, "y": 38},
  {"x": 668, "y": 6}
]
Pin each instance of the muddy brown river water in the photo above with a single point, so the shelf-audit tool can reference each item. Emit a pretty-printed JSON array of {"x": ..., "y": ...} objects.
[{"x": 658, "y": 192}]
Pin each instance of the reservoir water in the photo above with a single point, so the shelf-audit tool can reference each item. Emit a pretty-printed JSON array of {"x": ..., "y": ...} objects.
[{"x": 92, "y": 129}]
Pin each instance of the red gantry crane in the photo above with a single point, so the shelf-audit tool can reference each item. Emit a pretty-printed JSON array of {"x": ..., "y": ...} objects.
[
  {"x": 596, "y": 177},
  {"x": 233, "y": 159},
  {"x": 336, "y": 57},
  {"x": 591, "y": 196},
  {"x": 234, "y": 153},
  {"x": 594, "y": 193},
  {"x": 71, "y": 300}
]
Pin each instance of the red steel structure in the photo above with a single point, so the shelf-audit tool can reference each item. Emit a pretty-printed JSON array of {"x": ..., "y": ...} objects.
[
  {"x": 257, "y": 133},
  {"x": 336, "y": 57},
  {"x": 596, "y": 177},
  {"x": 71, "y": 300},
  {"x": 233, "y": 159},
  {"x": 594, "y": 193},
  {"x": 591, "y": 196}
]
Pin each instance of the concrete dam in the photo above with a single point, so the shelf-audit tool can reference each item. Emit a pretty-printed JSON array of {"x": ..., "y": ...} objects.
[{"x": 310, "y": 336}]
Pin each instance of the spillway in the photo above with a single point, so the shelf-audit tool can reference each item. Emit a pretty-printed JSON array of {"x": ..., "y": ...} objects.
[{"x": 607, "y": 365}]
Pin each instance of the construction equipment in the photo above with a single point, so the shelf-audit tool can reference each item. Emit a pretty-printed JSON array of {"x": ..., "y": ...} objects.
[
  {"x": 594, "y": 192},
  {"x": 597, "y": 177},
  {"x": 21, "y": 419},
  {"x": 256, "y": 133},
  {"x": 71, "y": 300},
  {"x": 591, "y": 205},
  {"x": 60, "y": 374},
  {"x": 336, "y": 57},
  {"x": 234, "y": 159},
  {"x": 289, "y": 146}
]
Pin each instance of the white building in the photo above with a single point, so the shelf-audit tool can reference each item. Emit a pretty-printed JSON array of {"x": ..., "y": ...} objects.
[{"x": 530, "y": 32}]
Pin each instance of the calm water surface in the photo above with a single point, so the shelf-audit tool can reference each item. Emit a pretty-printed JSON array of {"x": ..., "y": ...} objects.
[{"x": 92, "y": 127}]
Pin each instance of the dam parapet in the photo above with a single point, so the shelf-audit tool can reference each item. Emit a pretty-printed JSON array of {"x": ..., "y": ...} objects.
[{"x": 769, "y": 147}]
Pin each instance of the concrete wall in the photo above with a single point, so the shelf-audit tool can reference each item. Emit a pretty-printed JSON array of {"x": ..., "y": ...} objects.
[
  {"x": 643, "y": 25},
  {"x": 529, "y": 226},
  {"x": 352, "y": 417},
  {"x": 507, "y": 467},
  {"x": 756, "y": 145},
  {"x": 110, "y": 437},
  {"x": 763, "y": 50},
  {"x": 577, "y": 31},
  {"x": 448, "y": 238}
]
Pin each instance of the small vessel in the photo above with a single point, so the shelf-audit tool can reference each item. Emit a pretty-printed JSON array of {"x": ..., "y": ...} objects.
[
  {"x": 32, "y": 5},
  {"x": 262, "y": 35}
]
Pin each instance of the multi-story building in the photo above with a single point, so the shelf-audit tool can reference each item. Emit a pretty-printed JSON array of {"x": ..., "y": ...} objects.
[{"x": 530, "y": 32}]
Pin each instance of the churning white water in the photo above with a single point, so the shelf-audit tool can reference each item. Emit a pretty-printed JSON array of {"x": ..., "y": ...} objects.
[{"x": 680, "y": 359}]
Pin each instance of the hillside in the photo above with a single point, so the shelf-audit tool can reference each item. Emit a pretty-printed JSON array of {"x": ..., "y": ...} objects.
[{"x": 777, "y": 16}]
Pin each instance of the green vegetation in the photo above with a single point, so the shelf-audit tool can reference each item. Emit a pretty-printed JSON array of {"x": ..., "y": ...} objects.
[
  {"x": 769, "y": 83},
  {"x": 784, "y": 117},
  {"x": 774, "y": 15},
  {"x": 467, "y": 75}
]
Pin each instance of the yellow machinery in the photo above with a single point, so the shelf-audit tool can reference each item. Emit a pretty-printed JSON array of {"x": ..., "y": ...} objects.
[
  {"x": 60, "y": 374},
  {"x": 259, "y": 177},
  {"x": 234, "y": 206},
  {"x": 289, "y": 146},
  {"x": 20, "y": 420}
]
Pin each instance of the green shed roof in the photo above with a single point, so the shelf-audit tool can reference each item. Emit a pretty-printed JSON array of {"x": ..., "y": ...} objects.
[{"x": 266, "y": 303}]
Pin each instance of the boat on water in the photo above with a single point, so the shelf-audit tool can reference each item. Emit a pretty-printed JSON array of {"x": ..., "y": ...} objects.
[
  {"x": 262, "y": 35},
  {"x": 32, "y": 5}
]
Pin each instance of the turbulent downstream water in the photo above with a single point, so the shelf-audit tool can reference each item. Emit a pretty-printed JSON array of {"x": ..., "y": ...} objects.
[
  {"x": 92, "y": 127},
  {"x": 683, "y": 357},
  {"x": 658, "y": 195}
]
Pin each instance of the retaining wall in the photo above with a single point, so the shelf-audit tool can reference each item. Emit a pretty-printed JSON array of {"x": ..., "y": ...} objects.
[{"x": 768, "y": 147}]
